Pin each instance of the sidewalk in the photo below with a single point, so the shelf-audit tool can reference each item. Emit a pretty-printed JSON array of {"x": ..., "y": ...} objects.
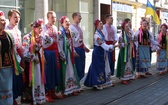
[
  {"x": 140, "y": 92},
  {"x": 108, "y": 95},
  {"x": 92, "y": 97}
]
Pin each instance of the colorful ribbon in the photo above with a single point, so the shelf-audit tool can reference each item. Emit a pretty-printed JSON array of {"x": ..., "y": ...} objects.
[
  {"x": 15, "y": 61},
  {"x": 167, "y": 45},
  {"x": 42, "y": 69},
  {"x": 140, "y": 34},
  {"x": 125, "y": 48},
  {"x": 31, "y": 64}
]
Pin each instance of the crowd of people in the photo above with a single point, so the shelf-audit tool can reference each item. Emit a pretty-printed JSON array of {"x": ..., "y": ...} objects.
[{"x": 48, "y": 64}]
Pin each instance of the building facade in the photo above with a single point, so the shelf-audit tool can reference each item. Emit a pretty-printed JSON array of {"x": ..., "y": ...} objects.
[
  {"x": 135, "y": 10},
  {"x": 89, "y": 9}
]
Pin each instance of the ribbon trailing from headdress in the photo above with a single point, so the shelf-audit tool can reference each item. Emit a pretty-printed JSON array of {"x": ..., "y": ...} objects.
[
  {"x": 42, "y": 65},
  {"x": 31, "y": 64},
  {"x": 167, "y": 45},
  {"x": 15, "y": 61},
  {"x": 100, "y": 34},
  {"x": 140, "y": 34},
  {"x": 125, "y": 48},
  {"x": 65, "y": 45}
]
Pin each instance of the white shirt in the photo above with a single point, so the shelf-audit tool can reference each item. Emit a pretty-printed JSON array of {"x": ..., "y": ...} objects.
[
  {"x": 98, "y": 41},
  {"x": 77, "y": 33},
  {"x": 106, "y": 33}
]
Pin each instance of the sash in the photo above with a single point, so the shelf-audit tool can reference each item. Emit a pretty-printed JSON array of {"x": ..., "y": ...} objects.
[
  {"x": 65, "y": 46},
  {"x": 125, "y": 48},
  {"x": 167, "y": 45},
  {"x": 31, "y": 64},
  {"x": 16, "y": 64}
]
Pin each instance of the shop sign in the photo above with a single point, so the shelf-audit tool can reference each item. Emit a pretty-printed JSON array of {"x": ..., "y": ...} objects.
[
  {"x": 165, "y": 14},
  {"x": 122, "y": 7}
]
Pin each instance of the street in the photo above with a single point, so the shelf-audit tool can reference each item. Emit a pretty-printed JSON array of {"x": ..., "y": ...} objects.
[{"x": 149, "y": 91}]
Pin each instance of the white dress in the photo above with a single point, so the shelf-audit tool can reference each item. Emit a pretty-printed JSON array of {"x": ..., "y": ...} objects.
[
  {"x": 38, "y": 90},
  {"x": 71, "y": 82}
]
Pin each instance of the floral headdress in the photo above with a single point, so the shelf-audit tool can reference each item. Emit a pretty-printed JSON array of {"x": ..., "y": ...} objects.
[
  {"x": 144, "y": 20},
  {"x": 165, "y": 25},
  {"x": 123, "y": 24},
  {"x": 96, "y": 22},
  {"x": 37, "y": 23},
  {"x": 2, "y": 13},
  {"x": 62, "y": 19}
]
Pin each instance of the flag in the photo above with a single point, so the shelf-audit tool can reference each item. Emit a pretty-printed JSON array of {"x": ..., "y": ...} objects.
[{"x": 150, "y": 10}]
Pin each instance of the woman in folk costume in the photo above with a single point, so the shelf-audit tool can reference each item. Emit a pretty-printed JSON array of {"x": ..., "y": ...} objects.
[
  {"x": 8, "y": 61},
  {"x": 14, "y": 18},
  {"x": 70, "y": 81},
  {"x": 124, "y": 65},
  {"x": 32, "y": 42},
  {"x": 127, "y": 20},
  {"x": 99, "y": 70},
  {"x": 143, "y": 49},
  {"x": 162, "y": 52}
]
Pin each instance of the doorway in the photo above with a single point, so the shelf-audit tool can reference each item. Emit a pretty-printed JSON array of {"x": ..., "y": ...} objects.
[{"x": 104, "y": 10}]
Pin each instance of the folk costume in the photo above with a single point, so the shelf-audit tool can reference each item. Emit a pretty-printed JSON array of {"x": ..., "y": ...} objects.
[
  {"x": 110, "y": 34},
  {"x": 79, "y": 48},
  {"x": 52, "y": 67},
  {"x": 124, "y": 69},
  {"x": 17, "y": 79},
  {"x": 70, "y": 81},
  {"x": 162, "y": 52},
  {"x": 143, "y": 51},
  {"x": 34, "y": 91}
]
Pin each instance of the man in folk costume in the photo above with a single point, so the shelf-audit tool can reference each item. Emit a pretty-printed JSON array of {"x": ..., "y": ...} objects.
[
  {"x": 14, "y": 18},
  {"x": 79, "y": 45},
  {"x": 143, "y": 49},
  {"x": 111, "y": 37},
  {"x": 52, "y": 67}
]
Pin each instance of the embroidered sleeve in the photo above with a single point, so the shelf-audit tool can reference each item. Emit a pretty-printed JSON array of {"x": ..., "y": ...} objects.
[
  {"x": 60, "y": 45},
  {"x": 99, "y": 41},
  {"x": 115, "y": 34},
  {"x": 26, "y": 44}
]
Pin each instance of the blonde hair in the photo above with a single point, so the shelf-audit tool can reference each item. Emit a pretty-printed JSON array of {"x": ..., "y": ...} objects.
[{"x": 50, "y": 12}]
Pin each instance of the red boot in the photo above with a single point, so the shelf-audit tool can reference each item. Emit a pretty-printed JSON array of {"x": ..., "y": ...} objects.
[
  {"x": 14, "y": 102},
  {"x": 53, "y": 95},
  {"x": 48, "y": 97}
]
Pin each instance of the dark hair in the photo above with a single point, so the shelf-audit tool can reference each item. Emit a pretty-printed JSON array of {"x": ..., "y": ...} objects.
[
  {"x": 75, "y": 14},
  {"x": 127, "y": 20},
  {"x": 107, "y": 16},
  {"x": 10, "y": 12}
]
